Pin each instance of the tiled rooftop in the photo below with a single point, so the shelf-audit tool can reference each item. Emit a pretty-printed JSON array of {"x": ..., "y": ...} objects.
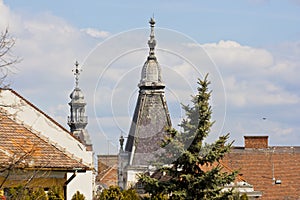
[
  {"x": 25, "y": 149},
  {"x": 26, "y": 125}
]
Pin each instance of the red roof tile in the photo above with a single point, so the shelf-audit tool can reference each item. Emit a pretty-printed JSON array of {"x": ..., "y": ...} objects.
[{"x": 25, "y": 149}]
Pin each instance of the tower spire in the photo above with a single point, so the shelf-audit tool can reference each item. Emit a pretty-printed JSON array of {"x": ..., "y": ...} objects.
[
  {"x": 152, "y": 41},
  {"x": 151, "y": 114},
  {"x": 76, "y": 73},
  {"x": 77, "y": 119},
  {"x": 151, "y": 72}
]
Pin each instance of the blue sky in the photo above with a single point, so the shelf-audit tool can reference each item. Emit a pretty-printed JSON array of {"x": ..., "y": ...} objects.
[
  {"x": 249, "y": 22},
  {"x": 253, "y": 44}
]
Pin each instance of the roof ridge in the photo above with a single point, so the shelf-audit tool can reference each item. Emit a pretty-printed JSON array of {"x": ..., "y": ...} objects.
[
  {"x": 40, "y": 111},
  {"x": 109, "y": 169}
]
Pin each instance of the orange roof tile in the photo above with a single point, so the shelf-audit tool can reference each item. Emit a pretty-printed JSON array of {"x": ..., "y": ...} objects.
[{"x": 24, "y": 149}]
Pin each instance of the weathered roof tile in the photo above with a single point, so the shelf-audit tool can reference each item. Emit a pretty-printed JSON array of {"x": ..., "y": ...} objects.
[{"x": 25, "y": 149}]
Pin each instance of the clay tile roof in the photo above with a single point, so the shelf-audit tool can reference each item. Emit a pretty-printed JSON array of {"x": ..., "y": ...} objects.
[{"x": 25, "y": 149}]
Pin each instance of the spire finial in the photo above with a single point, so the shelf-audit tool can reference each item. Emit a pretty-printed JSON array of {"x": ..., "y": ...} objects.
[
  {"x": 152, "y": 41},
  {"x": 121, "y": 140},
  {"x": 76, "y": 73}
]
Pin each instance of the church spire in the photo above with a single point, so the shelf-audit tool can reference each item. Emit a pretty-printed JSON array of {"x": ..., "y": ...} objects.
[
  {"x": 77, "y": 119},
  {"x": 151, "y": 115}
]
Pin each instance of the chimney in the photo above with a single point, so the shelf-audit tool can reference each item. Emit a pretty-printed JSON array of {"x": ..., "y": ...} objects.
[{"x": 256, "y": 142}]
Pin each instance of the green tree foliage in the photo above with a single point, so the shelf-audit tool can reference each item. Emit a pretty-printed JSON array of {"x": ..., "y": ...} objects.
[
  {"x": 196, "y": 173},
  {"x": 56, "y": 193},
  {"x": 243, "y": 197},
  {"x": 78, "y": 196},
  {"x": 19, "y": 193},
  {"x": 38, "y": 194},
  {"x": 114, "y": 192},
  {"x": 23, "y": 193},
  {"x": 130, "y": 194}
]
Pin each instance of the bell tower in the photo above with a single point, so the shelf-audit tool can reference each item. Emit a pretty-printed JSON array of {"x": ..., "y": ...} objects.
[{"x": 77, "y": 119}]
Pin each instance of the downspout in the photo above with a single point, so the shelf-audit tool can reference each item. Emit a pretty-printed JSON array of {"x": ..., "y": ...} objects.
[{"x": 67, "y": 182}]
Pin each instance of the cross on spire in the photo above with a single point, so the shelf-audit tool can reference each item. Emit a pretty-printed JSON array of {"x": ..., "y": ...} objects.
[{"x": 76, "y": 73}]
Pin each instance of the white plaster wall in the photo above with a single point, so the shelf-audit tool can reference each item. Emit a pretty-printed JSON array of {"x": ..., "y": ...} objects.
[
  {"x": 131, "y": 178},
  {"x": 83, "y": 182}
]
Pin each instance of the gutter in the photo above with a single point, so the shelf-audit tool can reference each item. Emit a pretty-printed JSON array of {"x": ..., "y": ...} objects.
[{"x": 79, "y": 170}]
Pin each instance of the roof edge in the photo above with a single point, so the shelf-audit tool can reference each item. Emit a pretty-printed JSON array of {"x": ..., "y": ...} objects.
[{"x": 42, "y": 112}]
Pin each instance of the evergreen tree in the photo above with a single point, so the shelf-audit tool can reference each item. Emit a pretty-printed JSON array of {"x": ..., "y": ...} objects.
[
  {"x": 112, "y": 193},
  {"x": 78, "y": 196},
  {"x": 196, "y": 173},
  {"x": 130, "y": 194},
  {"x": 115, "y": 192}
]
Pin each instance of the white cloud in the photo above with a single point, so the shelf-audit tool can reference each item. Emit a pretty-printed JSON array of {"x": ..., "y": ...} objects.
[
  {"x": 96, "y": 33},
  {"x": 259, "y": 93},
  {"x": 260, "y": 82},
  {"x": 256, "y": 79},
  {"x": 252, "y": 76},
  {"x": 233, "y": 55}
]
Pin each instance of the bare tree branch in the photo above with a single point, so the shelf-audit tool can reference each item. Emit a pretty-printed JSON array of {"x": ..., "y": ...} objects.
[
  {"x": 7, "y": 42},
  {"x": 7, "y": 59},
  {"x": 18, "y": 160}
]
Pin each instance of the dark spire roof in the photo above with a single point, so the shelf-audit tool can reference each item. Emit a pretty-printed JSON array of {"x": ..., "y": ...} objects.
[{"x": 151, "y": 115}]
